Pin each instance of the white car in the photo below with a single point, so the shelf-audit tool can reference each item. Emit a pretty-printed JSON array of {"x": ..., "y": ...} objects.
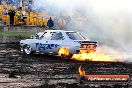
[{"x": 51, "y": 41}]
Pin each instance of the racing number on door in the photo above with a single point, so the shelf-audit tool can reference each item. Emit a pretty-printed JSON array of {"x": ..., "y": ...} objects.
[{"x": 42, "y": 47}]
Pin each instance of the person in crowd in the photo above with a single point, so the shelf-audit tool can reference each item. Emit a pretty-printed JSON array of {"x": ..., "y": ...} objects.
[
  {"x": 56, "y": 24},
  {"x": 24, "y": 17},
  {"x": 5, "y": 11},
  {"x": 26, "y": 8},
  {"x": 20, "y": 5},
  {"x": 29, "y": 6},
  {"x": 19, "y": 16},
  {"x": 11, "y": 13},
  {"x": 50, "y": 23},
  {"x": 4, "y": 14}
]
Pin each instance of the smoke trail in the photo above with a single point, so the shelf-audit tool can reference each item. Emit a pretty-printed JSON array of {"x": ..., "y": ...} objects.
[{"x": 106, "y": 21}]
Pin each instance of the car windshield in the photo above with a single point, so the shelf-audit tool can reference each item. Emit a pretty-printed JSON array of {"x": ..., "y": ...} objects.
[{"x": 74, "y": 36}]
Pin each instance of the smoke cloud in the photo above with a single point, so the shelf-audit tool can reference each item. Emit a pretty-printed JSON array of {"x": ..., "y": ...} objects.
[{"x": 106, "y": 21}]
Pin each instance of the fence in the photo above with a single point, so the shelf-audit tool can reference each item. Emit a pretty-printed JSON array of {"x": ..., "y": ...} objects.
[{"x": 32, "y": 18}]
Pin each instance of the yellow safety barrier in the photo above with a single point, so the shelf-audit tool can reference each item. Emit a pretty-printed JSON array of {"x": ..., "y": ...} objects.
[
  {"x": 1, "y": 12},
  {"x": 1, "y": 7},
  {"x": 40, "y": 20},
  {"x": 28, "y": 20},
  {"x": 5, "y": 19},
  {"x": 33, "y": 18}
]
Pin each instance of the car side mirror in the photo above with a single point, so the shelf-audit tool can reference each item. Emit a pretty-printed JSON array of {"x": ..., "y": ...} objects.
[
  {"x": 37, "y": 37},
  {"x": 32, "y": 37}
]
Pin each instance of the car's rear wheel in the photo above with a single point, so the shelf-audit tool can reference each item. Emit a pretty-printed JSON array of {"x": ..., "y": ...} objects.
[
  {"x": 27, "y": 49},
  {"x": 65, "y": 56}
]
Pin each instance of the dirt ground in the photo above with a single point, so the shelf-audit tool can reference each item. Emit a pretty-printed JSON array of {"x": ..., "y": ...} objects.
[{"x": 46, "y": 71}]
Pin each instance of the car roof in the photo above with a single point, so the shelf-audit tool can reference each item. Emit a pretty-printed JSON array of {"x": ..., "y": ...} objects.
[{"x": 58, "y": 31}]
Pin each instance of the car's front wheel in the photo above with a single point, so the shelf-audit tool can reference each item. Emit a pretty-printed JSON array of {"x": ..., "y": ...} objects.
[{"x": 27, "y": 49}]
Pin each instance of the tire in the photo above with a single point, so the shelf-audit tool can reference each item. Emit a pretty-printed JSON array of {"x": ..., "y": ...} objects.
[
  {"x": 27, "y": 50},
  {"x": 70, "y": 56}
]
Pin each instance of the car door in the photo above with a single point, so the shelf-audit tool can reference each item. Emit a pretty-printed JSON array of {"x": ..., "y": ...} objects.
[
  {"x": 42, "y": 44},
  {"x": 55, "y": 42}
]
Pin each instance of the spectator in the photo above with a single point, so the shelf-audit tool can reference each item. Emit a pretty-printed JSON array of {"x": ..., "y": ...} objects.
[
  {"x": 16, "y": 3},
  {"x": 20, "y": 5},
  {"x": 5, "y": 12},
  {"x": 19, "y": 16},
  {"x": 11, "y": 14},
  {"x": 56, "y": 24},
  {"x": 24, "y": 16},
  {"x": 29, "y": 6},
  {"x": 50, "y": 23}
]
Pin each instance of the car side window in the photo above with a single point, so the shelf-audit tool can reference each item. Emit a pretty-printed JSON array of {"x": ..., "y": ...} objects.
[
  {"x": 57, "y": 36},
  {"x": 46, "y": 36}
]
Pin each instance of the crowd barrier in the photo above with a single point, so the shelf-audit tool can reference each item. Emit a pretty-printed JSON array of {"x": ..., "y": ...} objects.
[{"x": 32, "y": 18}]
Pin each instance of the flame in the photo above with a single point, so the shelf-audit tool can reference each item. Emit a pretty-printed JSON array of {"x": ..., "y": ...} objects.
[
  {"x": 93, "y": 56},
  {"x": 81, "y": 71},
  {"x": 63, "y": 51}
]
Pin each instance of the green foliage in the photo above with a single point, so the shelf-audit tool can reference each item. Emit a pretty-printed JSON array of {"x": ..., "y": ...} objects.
[{"x": 18, "y": 34}]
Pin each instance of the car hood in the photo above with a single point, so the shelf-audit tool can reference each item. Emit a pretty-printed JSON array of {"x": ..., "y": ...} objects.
[{"x": 28, "y": 40}]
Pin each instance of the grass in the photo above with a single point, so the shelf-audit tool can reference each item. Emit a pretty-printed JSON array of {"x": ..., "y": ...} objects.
[{"x": 17, "y": 34}]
